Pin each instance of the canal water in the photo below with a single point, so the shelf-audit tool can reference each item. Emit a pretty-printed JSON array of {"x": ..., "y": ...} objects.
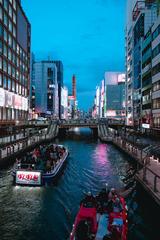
[{"x": 47, "y": 213}]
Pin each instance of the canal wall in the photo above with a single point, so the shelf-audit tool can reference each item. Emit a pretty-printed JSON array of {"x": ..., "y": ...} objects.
[
  {"x": 9, "y": 152},
  {"x": 148, "y": 166}
]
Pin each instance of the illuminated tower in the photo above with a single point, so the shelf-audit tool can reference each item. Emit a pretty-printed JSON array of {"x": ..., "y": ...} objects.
[{"x": 74, "y": 87}]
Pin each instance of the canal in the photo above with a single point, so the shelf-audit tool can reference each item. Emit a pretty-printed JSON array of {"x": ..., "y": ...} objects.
[{"x": 47, "y": 213}]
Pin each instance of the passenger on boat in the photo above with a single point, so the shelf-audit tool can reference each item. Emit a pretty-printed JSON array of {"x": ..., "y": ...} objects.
[
  {"x": 102, "y": 198},
  {"x": 117, "y": 206},
  {"x": 111, "y": 199},
  {"x": 112, "y": 194},
  {"x": 83, "y": 231},
  {"x": 116, "y": 233},
  {"x": 89, "y": 200}
]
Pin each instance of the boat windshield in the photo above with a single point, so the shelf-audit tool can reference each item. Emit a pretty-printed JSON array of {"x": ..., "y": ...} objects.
[{"x": 26, "y": 166}]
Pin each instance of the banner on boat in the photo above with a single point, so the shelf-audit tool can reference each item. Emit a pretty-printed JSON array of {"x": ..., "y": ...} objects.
[{"x": 28, "y": 178}]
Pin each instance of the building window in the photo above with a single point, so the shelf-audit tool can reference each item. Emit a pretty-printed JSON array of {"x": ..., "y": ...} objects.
[
  {"x": 17, "y": 74},
  {"x": 14, "y": 58},
  {"x": 4, "y": 65},
  {"x": 9, "y": 40},
  {"x": 4, "y": 113},
  {"x": 17, "y": 87},
  {"x": 14, "y": 31},
  {"x": 1, "y": 30},
  {"x": 5, "y": 19},
  {"x": 9, "y": 54},
  {"x": 13, "y": 72},
  {"x": 4, "y": 82},
  {"x": 13, "y": 86},
  {"x": 156, "y": 51},
  {"x": 14, "y": 17},
  {"x": 1, "y": 81},
  {"x": 14, "y": 4},
  {"x": 20, "y": 88},
  {"x": 0, "y": 62},
  {"x": 9, "y": 84},
  {"x": 1, "y": 16},
  {"x": 10, "y": 26},
  {"x": 9, "y": 69},
  {"x": 0, "y": 46},
  {"x": 10, "y": 11},
  {"x": 156, "y": 69},
  {"x": 5, "y": 5},
  {"x": 156, "y": 32},
  {"x": 5, "y": 50},
  {"x": 156, "y": 86},
  {"x": 156, "y": 103},
  {"x": 14, "y": 45},
  {"x": 5, "y": 35}
]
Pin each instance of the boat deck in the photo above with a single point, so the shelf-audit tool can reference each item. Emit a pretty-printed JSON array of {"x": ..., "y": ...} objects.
[{"x": 102, "y": 227}]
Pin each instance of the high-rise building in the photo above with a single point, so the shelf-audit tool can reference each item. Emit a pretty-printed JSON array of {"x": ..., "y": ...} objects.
[
  {"x": 141, "y": 16},
  {"x": 59, "y": 66},
  {"x": 15, "y": 34},
  {"x": 114, "y": 95},
  {"x": 156, "y": 75},
  {"x": 146, "y": 79},
  {"x": 46, "y": 89}
]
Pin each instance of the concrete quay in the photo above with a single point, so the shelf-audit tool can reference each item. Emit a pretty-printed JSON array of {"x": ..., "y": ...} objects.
[{"x": 148, "y": 166}]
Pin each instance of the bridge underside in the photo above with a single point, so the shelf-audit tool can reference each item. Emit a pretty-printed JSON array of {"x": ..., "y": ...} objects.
[{"x": 77, "y": 126}]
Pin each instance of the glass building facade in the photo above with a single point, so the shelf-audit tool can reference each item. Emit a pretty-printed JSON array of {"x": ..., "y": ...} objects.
[{"x": 14, "y": 62}]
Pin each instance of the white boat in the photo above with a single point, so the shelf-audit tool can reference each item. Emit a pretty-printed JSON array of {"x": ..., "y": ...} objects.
[{"x": 31, "y": 173}]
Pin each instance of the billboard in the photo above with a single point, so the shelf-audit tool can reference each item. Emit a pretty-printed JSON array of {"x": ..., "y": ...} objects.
[
  {"x": 12, "y": 100},
  {"x": 2, "y": 97},
  {"x": 33, "y": 178}
]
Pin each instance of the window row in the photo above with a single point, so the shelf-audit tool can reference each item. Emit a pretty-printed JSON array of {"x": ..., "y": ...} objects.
[
  {"x": 8, "y": 3},
  {"x": 8, "y": 38},
  {"x": 156, "y": 51},
  {"x": 156, "y": 69},
  {"x": 5, "y": 18},
  {"x": 156, "y": 103},
  {"x": 156, "y": 86},
  {"x": 12, "y": 114},
  {"x": 11, "y": 85},
  {"x": 156, "y": 122},
  {"x": 156, "y": 32},
  {"x": 12, "y": 57},
  {"x": 19, "y": 74}
]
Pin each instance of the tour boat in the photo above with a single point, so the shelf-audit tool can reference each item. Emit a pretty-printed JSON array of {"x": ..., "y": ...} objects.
[
  {"x": 94, "y": 223},
  {"x": 37, "y": 170}
]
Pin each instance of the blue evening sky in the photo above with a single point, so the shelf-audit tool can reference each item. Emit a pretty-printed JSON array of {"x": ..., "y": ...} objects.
[{"x": 87, "y": 35}]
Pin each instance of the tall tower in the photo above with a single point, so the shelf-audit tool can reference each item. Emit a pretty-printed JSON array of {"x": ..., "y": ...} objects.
[{"x": 74, "y": 87}]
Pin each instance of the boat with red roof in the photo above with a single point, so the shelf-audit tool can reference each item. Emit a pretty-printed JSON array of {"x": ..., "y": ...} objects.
[{"x": 102, "y": 217}]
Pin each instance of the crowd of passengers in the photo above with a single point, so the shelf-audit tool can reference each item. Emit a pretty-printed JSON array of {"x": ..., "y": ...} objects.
[
  {"x": 107, "y": 200},
  {"x": 49, "y": 155}
]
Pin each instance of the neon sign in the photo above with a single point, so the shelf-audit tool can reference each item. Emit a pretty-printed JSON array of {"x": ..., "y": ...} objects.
[{"x": 28, "y": 177}]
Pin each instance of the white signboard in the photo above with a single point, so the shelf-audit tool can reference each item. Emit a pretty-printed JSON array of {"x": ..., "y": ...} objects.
[
  {"x": 33, "y": 178},
  {"x": 145, "y": 125},
  {"x": 2, "y": 97}
]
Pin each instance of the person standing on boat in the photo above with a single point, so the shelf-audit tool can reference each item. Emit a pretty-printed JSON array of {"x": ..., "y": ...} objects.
[
  {"x": 89, "y": 200},
  {"x": 102, "y": 198},
  {"x": 117, "y": 206}
]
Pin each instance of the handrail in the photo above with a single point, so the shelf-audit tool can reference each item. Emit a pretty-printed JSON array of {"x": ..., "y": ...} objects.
[{"x": 145, "y": 169}]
